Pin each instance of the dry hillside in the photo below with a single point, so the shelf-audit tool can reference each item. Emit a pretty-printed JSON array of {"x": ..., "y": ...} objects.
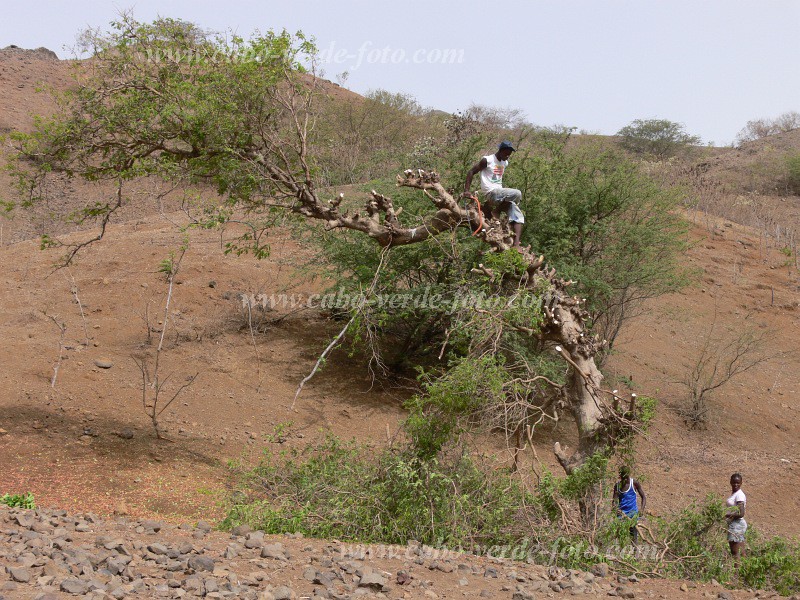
[{"x": 84, "y": 442}]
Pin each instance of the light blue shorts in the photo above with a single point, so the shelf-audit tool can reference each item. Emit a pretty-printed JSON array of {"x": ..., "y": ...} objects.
[{"x": 511, "y": 196}]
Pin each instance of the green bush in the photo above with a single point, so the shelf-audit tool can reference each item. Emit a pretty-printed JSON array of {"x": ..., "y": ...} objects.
[
  {"x": 345, "y": 491},
  {"x": 793, "y": 173},
  {"x": 24, "y": 500},
  {"x": 771, "y": 564},
  {"x": 469, "y": 385},
  {"x": 697, "y": 541}
]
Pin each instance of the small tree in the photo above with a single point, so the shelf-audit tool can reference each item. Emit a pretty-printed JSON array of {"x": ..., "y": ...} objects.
[
  {"x": 658, "y": 138},
  {"x": 720, "y": 360}
]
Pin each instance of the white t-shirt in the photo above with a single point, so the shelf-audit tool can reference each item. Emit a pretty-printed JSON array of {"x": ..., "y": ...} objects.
[
  {"x": 736, "y": 498},
  {"x": 492, "y": 175}
]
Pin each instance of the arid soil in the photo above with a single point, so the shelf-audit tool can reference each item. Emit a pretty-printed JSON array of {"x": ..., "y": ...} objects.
[{"x": 74, "y": 431}]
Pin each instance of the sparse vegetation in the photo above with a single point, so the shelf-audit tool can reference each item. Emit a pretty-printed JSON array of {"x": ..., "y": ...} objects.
[
  {"x": 345, "y": 491},
  {"x": 340, "y": 490},
  {"x": 153, "y": 385},
  {"x": 761, "y": 128}
]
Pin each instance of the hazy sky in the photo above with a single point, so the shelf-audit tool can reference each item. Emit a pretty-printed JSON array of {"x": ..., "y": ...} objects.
[{"x": 593, "y": 64}]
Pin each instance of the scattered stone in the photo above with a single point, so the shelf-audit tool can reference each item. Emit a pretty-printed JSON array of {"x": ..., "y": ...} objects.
[
  {"x": 625, "y": 592},
  {"x": 75, "y": 586},
  {"x": 372, "y": 580},
  {"x": 201, "y": 563},
  {"x": 152, "y": 526},
  {"x": 283, "y": 593},
  {"x": 203, "y": 526},
  {"x": 444, "y": 567},
  {"x": 523, "y": 593},
  {"x": 104, "y": 363},
  {"x": 600, "y": 570},
  {"x": 255, "y": 539},
  {"x": 684, "y": 587},
  {"x": 403, "y": 578},
  {"x": 158, "y": 549},
  {"x": 275, "y": 551},
  {"x": 24, "y": 520},
  {"x": 20, "y": 574}
]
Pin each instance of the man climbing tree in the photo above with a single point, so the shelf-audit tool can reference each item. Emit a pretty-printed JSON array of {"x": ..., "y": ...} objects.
[{"x": 497, "y": 197}]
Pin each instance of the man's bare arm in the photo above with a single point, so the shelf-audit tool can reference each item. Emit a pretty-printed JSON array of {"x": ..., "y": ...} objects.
[
  {"x": 639, "y": 489},
  {"x": 479, "y": 166}
]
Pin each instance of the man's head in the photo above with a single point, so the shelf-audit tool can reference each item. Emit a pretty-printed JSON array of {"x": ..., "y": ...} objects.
[
  {"x": 624, "y": 472},
  {"x": 504, "y": 150}
]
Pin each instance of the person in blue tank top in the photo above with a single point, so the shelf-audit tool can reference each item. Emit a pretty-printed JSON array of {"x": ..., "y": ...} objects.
[{"x": 624, "y": 500}]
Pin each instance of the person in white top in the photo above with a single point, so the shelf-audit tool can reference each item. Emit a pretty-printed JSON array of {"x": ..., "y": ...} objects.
[
  {"x": 737, "y": 526},
  {"x": 491, "y": 168}
]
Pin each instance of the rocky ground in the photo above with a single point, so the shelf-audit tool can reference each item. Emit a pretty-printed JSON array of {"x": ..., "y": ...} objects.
[{"x": 47, "y": 554}]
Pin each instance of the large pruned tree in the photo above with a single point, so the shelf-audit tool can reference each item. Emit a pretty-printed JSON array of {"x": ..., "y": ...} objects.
[{"x": 170, "y": 101}]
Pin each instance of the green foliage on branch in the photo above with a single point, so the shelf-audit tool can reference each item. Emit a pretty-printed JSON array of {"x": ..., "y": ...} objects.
[
  {"x": 468, "y": 387},
  {"x": 168, "y": 100}
]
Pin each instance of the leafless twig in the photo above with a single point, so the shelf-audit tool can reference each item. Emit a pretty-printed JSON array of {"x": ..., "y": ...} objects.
[
  {"x": 74, "y": 289},
  {"x": 62, "y": 328}
]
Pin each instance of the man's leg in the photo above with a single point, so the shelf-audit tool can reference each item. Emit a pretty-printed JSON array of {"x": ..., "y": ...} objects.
[
  {"x": 508, "y": 199},
  {"x": 517, "y": 229},
  {"x": 515, "y": 216}
]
